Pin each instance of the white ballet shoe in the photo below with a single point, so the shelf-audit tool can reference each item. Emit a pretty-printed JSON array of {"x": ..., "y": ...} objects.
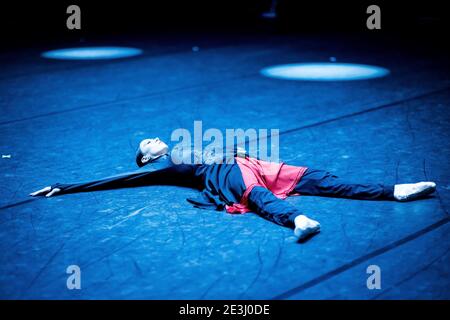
[
  {"x": 411, "y": 191},
  {"x": 305, "y": 227}
]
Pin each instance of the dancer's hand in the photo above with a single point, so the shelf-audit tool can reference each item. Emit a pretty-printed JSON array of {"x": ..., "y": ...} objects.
[{"x": 47, "y": 191}]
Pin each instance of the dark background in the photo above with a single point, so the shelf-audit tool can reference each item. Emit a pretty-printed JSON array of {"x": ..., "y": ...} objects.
[{"x": 24, "y": 23}]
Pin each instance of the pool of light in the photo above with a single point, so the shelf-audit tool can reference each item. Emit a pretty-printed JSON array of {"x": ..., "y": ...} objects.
[
  {"x": 92, "y": 53},
  {"x": 324, "y": 71}
]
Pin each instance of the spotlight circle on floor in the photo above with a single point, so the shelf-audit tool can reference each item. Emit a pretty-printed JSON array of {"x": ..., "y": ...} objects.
[
  {"x": 324, "y": 71},
  {"x": 92, "y": 53}
]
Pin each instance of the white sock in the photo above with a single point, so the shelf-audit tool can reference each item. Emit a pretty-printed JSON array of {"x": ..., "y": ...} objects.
[
  {"x": 410, "y": 191},
  {"x": 305, "y": 226}
]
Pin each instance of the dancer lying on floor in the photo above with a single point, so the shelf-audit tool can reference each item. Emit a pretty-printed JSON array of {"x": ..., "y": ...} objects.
[{"x": 246, "y": 184}]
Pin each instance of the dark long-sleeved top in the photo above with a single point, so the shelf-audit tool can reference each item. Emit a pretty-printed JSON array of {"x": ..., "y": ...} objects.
[
  {"x": 246, "y": 185},
  {"x": 221, "y": 184}
]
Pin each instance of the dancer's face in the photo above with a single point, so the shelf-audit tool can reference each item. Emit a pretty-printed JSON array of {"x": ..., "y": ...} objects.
[{"x": 152, "y": 148}]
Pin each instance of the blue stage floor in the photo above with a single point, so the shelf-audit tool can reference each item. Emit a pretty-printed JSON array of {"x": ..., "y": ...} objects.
[{"x": 69, "y": 121}]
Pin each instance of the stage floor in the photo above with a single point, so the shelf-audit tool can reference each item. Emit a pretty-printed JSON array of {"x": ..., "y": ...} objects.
[{"x": 69, "y": 121}]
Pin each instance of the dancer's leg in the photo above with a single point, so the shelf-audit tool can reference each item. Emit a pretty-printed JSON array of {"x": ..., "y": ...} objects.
[
  {"x": 323, "y": 183},
  {"x": 268, "y": 206}
]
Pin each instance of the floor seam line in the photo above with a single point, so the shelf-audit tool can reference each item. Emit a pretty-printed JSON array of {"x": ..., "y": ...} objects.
[{"x": 361, "y": 259}]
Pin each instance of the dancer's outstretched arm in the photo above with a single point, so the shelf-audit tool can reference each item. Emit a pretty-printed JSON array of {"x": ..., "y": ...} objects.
[{"x": 181, "y": 175}]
